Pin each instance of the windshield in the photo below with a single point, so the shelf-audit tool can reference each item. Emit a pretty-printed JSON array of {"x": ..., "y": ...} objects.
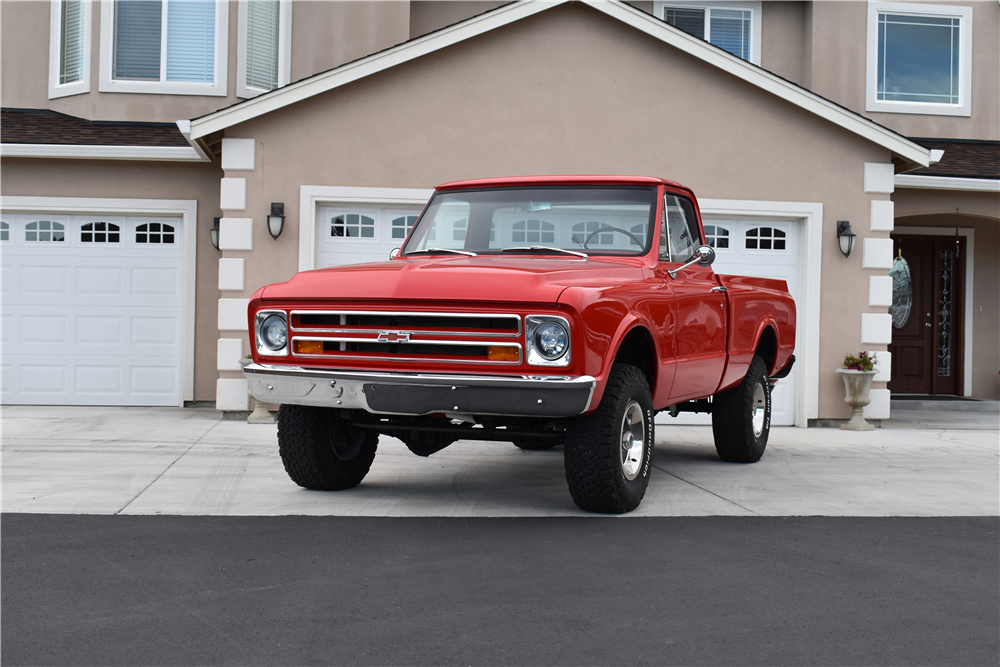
[{"x": 592, "y": 219}]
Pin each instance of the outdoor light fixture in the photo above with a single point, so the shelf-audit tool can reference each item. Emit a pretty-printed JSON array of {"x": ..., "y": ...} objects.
[
  {"x": 276, "y": 220},
  {"x": 845, "y": 236},
  {"x": 214, "y": 233}
]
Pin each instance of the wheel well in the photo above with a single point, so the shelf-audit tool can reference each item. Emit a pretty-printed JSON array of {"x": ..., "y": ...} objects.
[
  {"x": 767, "y": 348},
  {"x": 638, "y": 350}
]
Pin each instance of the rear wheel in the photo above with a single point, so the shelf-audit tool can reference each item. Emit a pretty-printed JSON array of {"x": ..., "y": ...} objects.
[
  {"x": 608, "y": 453},
  {"x": 322, "y": 451},
  {"x": 741, "y": 416}
]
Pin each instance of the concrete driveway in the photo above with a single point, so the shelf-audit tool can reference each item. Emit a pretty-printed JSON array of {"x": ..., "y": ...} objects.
[{"x": 146, "y": 461}]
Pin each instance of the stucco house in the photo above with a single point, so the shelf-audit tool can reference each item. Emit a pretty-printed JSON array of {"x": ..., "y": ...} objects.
[{"x": 145, "y": 145}]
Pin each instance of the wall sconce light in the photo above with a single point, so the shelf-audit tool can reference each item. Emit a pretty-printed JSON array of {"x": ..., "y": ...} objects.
[
  {"x": 213, "y": 233},
  {"x": 276, "y": 220},
  {"x": 845, "y": 237}
]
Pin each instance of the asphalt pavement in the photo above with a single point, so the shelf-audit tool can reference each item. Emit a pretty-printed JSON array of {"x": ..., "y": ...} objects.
[{"x": 137, "y": 536}]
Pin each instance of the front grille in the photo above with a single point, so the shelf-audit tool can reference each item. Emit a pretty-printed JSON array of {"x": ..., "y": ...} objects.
[{"x": 407, "y": 336}]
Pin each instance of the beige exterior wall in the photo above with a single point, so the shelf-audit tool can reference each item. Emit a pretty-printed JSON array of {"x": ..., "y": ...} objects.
[
  {"x": 324, "y": 35},
  {"x": 542, "y": 96},
  {"x": 837, "y": 32},
  {"x": 430, "y": 15},
  {"x": 979, "y": 211},
  {"x": 783, "y": 46},
  {"x": 142, "y": 180}
]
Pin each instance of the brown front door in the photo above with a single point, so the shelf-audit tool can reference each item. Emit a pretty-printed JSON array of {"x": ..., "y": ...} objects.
[{"x": 926, "y": 340}]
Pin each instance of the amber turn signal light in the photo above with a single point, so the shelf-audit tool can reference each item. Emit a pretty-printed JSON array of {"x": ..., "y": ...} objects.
[
  {"x": 308, "y": 347},
  {"x": 502, "y": 353}
]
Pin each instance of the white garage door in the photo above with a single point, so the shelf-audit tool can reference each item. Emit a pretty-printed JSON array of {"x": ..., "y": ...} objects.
[
  {"x": 767, "y": 249},
  {"x": 357, "y": 234},
  {"x": 91, "y": 310}
]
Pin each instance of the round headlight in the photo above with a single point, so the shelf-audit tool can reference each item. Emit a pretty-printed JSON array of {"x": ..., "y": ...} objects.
[
  {"x": 274, "y": 333},
  {"x": 551, "y": 340}
]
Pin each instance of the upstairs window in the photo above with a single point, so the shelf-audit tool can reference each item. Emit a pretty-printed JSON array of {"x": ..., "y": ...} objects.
[
  {"x": 732, "y": 26},
  {"x": 264, "y": 46},
  {"x": 69, "y": 48},
  {"x": 919, "y": 58},
  {"x": 164, "y": 46}
]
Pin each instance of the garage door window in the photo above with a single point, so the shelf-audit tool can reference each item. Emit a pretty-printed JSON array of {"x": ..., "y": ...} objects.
[
  {"x": 534, "y": 231},
  {"x": 352, "y": 226},
  {"x": 765, "y": 238},
  {"x": 401, "y": 226},
  {"x": 45, "y": 231},
  {"x": 154, "y": 232},
  {"x": 717, "y": 236},
  {"x": 4, "y": 231},
  {"x": 100, "y": 232}
]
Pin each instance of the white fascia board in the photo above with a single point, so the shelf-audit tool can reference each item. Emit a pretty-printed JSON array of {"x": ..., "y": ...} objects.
[
  {"x": 373, "y": 64},
  {"x": 947, "y": 183},
  {"x": 164, "y": 153},
  {"x": 636, "y": 18}
]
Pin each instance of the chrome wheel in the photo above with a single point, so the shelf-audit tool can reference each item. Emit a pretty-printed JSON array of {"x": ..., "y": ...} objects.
[
  {"x": 633, "y": 440},
  {"x": 759, "y": 409}
]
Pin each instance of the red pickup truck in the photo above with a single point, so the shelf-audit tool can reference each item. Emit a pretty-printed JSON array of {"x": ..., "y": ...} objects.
[{"x": 542, "y": 311}]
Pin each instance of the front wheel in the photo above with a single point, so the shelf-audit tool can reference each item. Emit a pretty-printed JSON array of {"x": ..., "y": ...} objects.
[
  {"x": 608, "y": 453},
  {"x": 741, "y": 416},
  {"x": 321, "y": 451}
]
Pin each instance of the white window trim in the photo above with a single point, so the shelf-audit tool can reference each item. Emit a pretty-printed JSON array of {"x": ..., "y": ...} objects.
[
  {"x": 284, "y": 50},
  {"x": 964, "y": 106},
  {"x": 187, "y": 209},
  {"x": 57, "y": 89},
  {"x": 810, "y": 215},
  {"x": 970, "y": 248},
  {"x": 314, "y": 197},
  {"x": 753, "y": 7},
  {"x": 107, "y": 84}
]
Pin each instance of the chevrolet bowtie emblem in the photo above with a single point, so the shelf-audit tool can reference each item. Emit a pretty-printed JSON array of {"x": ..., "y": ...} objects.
[{"x": 394, "y": 337}]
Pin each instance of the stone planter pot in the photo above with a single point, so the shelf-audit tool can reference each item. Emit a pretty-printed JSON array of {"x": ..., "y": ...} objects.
[{"x": 857, "y": 384}]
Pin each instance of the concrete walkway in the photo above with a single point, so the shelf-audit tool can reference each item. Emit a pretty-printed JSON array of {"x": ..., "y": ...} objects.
[{"x": 82, "y": 460}]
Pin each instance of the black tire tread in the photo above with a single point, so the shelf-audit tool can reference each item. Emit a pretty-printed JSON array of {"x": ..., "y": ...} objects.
[
  {"x": 732, "y": 427},
  {"x": 592, "y": 448},
  {"x": 308, "y": 456}
]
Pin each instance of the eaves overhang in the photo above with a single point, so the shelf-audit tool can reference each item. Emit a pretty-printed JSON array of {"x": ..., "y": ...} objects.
[{"x": 908, "y": 154}]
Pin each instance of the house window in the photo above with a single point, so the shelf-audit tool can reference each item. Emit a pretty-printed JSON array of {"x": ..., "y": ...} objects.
[
  {"x": 164, "y": 46},
  {"x": 919, "y": 58},
  {"x": 732, "y": 26},
  {"x": 100, "y": 232},
  {"x": 264, "y": 46},
  {"x": 69, "y": 48},
  {"x": 154, "y": 232},
  {"x": 45, "y": 231}
]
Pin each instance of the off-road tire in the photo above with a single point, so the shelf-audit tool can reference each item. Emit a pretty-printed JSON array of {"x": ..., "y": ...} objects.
[
  {"x": 534, "y": 444},
  {"x": 737, "y": 439},
  {"x": 321, "y": 451},
  {"x": 595, "y": 471}
]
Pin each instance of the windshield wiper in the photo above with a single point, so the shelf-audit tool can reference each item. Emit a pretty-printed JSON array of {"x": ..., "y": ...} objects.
[
  {"x": 457, "y": 252},
  {"x": 547, "y": 248}
]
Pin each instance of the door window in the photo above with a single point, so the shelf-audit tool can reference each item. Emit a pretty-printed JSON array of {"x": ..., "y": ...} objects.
[{"x": 679, "y": 232}]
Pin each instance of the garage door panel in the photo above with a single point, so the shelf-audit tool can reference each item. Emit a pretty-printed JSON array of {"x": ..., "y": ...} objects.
[{"x": 93, "y": 323}]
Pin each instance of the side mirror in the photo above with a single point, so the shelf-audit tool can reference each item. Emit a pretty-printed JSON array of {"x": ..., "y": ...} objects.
[
  {"x": 703, "y": 256},
  {"x": 393, "y": 254}
]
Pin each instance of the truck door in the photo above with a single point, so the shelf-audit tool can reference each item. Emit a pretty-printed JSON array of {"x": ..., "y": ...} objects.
[{"x": 701, "y": 305}]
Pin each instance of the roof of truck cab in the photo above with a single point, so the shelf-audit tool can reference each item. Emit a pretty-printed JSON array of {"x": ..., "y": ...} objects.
[{"x": 566, "y": 179}]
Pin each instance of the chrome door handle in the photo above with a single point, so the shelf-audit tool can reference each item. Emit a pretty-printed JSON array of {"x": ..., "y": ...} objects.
[{"x": 719, "y": 289}]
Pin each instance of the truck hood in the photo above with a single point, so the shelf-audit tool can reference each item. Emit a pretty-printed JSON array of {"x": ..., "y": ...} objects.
[{"x": 482, "y": 279}]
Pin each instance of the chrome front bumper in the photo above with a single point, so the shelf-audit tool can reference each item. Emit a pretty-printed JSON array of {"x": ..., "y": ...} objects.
[{"x": 417, "y": 394}]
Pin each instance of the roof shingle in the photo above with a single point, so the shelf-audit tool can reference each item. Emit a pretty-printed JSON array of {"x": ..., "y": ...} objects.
[
  {"x": 41, "y": 126},
  {"x": 963, "y": 158}
]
